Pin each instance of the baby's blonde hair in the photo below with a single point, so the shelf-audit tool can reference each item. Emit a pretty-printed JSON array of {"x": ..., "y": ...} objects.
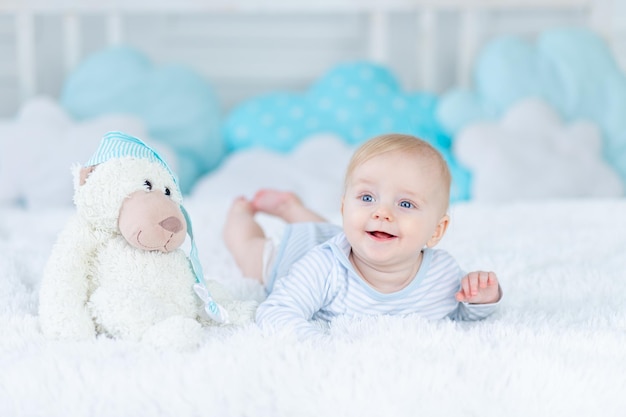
[{"x": 407, "y": 145}]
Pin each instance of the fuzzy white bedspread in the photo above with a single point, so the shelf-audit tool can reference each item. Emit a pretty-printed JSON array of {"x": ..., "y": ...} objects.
[{"x": 557, "y": 347}]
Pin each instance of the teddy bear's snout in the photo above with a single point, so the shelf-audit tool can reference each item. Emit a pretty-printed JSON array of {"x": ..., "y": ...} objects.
[{"x": 172, "y": 224}]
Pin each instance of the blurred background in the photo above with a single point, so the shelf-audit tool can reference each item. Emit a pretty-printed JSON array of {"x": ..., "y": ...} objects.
[{"x": 524, "y": 98}]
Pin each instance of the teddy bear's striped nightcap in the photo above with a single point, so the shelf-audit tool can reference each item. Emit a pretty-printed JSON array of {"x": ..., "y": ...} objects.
[{"x": 119, "y": 145}]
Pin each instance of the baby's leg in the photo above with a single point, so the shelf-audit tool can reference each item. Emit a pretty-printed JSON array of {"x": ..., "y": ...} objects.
[
  {"x": 284, "y": 204},
  {"x": 245, "y": 239}
]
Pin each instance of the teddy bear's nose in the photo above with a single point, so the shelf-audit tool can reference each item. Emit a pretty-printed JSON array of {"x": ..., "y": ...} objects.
[{"x": 172, "y": 224}]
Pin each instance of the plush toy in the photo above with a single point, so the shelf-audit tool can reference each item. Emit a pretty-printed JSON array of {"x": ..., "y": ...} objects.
[{"x": 118, "y": 267}]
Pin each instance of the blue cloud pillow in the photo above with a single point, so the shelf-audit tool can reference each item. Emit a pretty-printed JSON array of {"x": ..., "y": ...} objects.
[
  {"x": 356, "y": 101},
  {"x": 572, "y": 69},
  {"x": 178, "y": 107}
]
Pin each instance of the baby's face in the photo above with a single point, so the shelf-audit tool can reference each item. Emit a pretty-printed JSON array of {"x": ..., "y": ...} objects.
[{"x": 391, "y": 208}]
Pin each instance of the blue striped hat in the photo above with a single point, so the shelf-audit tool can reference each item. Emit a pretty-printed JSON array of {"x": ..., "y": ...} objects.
[{"x": 119, "y": 145}]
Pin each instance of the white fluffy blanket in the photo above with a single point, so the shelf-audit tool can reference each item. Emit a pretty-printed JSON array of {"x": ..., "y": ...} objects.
[{"x": 557, "y": 347}]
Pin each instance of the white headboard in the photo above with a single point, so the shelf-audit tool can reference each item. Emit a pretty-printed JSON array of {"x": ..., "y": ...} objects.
[{"x": 246, "y": 47}]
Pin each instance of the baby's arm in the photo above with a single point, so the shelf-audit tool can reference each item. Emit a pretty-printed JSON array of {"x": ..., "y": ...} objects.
[
  {"x": 479, "y": 287},
  {"x": 296, "y": 298}
]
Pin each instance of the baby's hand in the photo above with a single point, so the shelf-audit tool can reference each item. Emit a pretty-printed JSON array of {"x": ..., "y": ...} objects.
[{"x": 479, "y": 287}]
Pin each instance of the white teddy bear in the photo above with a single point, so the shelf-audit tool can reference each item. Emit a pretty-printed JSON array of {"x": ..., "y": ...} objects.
[{"x": 117, "y": 268}]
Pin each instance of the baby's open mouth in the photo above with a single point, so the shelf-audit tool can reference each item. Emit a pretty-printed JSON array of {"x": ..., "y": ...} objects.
[{"x": 381, "y": 235}]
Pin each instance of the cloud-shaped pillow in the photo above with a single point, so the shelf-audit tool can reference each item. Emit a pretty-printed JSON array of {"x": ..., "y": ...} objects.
[
  {"x": 39, "y": 146},
  {"x": 177, "y": 106},
  {"x": 532, "y": 154},
  {"x": 355, "y": 101},
  {"x": 571, "y": 69},
  {"x": 314, "y": 169}
]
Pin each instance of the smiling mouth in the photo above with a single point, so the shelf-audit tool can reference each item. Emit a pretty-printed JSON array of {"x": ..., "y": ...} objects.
[{"x": 381, "y": 235}]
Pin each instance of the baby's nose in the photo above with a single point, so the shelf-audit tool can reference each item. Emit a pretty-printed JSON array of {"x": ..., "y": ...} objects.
[
  {"x": 382, "y": 213},
  {"x": 172, "y": 224}
]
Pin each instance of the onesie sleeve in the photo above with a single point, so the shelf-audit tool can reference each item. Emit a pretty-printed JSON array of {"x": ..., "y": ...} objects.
[{"x": 299, "y": 295}]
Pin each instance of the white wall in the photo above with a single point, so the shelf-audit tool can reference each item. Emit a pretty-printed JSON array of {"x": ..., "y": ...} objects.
[{"x": 245, "y": 54}]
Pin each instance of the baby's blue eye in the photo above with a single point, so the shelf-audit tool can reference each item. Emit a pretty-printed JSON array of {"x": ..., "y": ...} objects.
[
  {"x": 406, "y": 204},
  {"x": 367, "y": 198}
]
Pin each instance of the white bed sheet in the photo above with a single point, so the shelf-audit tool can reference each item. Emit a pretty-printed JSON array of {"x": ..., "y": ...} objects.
[{"x": 556, "y": 347}]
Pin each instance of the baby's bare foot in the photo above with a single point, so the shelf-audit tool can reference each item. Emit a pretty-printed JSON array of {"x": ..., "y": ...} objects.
[
  {"x": 284, "y": 204},
  {"x": 274, "y": 202},
  {"x": 241, "y": 205}
]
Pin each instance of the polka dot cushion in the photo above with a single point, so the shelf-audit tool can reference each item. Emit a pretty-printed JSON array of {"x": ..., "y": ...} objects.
[{"x": 355, "y": 101}]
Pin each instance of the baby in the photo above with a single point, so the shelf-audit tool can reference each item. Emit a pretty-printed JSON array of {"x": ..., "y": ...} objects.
[{"x": 382, "y": 261}]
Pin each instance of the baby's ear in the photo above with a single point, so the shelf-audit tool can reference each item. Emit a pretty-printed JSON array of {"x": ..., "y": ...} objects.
[{"x": 440, "y": 230}]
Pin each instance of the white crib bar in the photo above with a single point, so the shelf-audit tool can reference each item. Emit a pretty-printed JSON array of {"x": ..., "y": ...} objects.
[
  {"x": 25, "y": 47},
  {"x": 468, "y": 45},
  {"x": 72, "y": 36},
  {"x": 426, "y": 53},
  {"x": 72, "y": 42},
  {"x": 114, "y": 29},
  {"x": 378, "y": 39}
]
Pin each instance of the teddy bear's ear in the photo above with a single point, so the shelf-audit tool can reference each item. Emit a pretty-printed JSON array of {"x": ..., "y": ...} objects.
[{"x": 84, "y": 173}]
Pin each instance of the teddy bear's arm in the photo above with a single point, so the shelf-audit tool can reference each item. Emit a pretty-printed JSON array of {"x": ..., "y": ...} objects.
[{"x": 64, "y": 292}]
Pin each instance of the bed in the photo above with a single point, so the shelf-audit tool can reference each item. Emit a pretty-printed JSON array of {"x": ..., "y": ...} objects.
[{"x": 556, "y": 345}]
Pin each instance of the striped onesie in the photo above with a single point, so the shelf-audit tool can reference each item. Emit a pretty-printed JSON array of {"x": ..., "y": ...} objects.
[{"x": 321, "y": 284}]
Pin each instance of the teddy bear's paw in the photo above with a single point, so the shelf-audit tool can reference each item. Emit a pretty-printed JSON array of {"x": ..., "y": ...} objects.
[
  {"x": 77, "y": 328},
  {"x": 181, "y": 333}
]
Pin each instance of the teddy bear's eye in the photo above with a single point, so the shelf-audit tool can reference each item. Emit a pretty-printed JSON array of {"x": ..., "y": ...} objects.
[
  {"x": 167, "y": 191},
  {"x": 148, "y": 185}
]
